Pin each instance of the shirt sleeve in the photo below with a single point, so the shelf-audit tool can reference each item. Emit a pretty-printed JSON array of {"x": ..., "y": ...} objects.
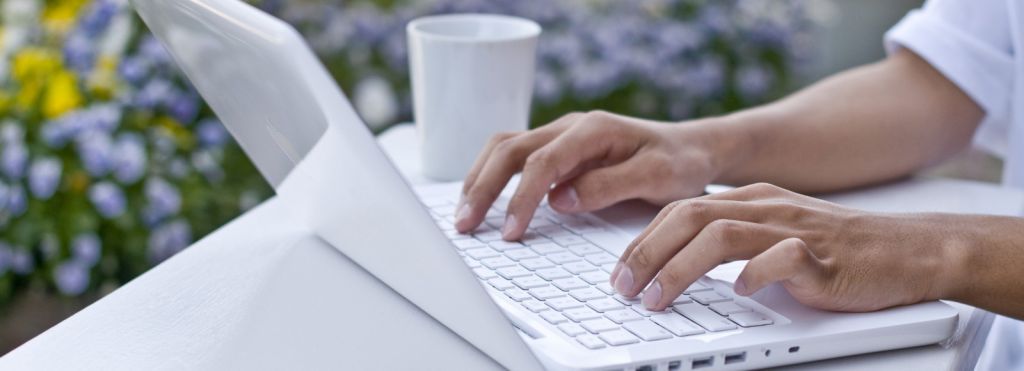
[{"x": 970, "y": 42}]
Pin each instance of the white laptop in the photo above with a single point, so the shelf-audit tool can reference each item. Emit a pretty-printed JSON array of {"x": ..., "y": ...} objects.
[{"x": 544, "y": 301}]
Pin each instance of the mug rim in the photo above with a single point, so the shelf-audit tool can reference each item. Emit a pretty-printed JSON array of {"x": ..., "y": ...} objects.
[{"x": 530, "y": 29}]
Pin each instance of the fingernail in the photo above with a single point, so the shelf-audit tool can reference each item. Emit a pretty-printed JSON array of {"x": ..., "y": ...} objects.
[
  {"x": 652, "y": 296},
  {"x": 740, "y": 287},
  {"x": 615, "y": 273},
  {"x": 510, "y": 226},
  {"x": 462, "y": 213},
  {"x": 624, "y": 282},
  {"x": 568, "y": 200}
]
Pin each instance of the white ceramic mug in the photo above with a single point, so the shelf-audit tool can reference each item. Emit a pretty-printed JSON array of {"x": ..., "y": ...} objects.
[{"x": 472, "y": 77}]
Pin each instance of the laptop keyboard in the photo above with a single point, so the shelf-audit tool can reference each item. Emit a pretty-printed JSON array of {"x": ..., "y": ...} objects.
[{"x": 559, "y": 275}]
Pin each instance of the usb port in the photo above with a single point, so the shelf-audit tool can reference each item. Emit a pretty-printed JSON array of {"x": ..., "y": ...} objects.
[
  {"x": 702, "y": 362},
  {"x": 735, "y": 358}
]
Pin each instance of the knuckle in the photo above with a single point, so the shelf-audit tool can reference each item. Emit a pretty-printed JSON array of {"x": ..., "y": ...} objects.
[
  {"x": 670, "y": 277},
  {"x": 641, "y": 258},
  {"x": 538, "y": 160},
  {"x": 694, "y": 209},
  {"x": 763, "y": 188},
  {"x": 722, "y": 231},
  {"x": 502, "y": 136}
]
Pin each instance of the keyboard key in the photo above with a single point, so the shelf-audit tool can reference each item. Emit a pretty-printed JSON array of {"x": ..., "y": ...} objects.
[
  {"x": 513, "y": 272},
  {"x": 579, "y": 267},
  {"x": 517, "y": 294},
  {"x": 534, "y": 305},
  {"x": 587, "y": 293},
  {"x": 495, "y": 221},
  {"x": 446, "y": 225},
  {"x": 647, "y": 330},
  {"x": 572, "y": 329},
  {"x": 481, "y": 253},
  {"x": 547, "y": 248},
  {"x": 432, "y": 202},
  {"x": 569, "y": 283},
  {"x": 562, "y": 257},
  {"x": 727, "y": 307},
  {"x": 590, "y": 341},
  {"x": 605, "y": 305},
  {"x": 676, "y": 324},
  {"x": 707, "y": 297},
  {"x": 444, "y": 210},
  {"x": 504, "y": 245},
  {"x": 599, "y": 325},
  {"x": 468, "y": 243},
  {"x": 618, "y": 337},
  {"x": 696, "y": 286},
  {"x": 595, "y": 277},
  {"x": 568, "y": 239},
  {"x": 601, "y": 258},
  {"x": 646, "y": 313},
  {"x": 585, "y": 249},
  {"x": 484, "y": 273},
  {"x": 471, "y": 263},
  {"x": 563, "y": 303},
  {"x": 520, "y": 254},
  {"x": 500, "y": 283},
  {"x": 455, "y": 235},
  {"x": 609, "y": 267},
  {"x": 750, "y": 319},
  {"x": 552, "y": 231},
  {"x": 497, "y": 262},
  {"x": 627, "y": 301},
  {"x": 682, "y": 299},
  {"x": 536, "y": 263},
  {"x": 488, "y": 236},
  {"x": 624, "y": 315},
  {"x": 529, "y": 282},
  {"x": 581, "y": 314},
  {"x": 553, "y": 273},
  {"x": 606, "y": 288},
  {"x": 546, "y": 292},
  {"x": 553, "y": 317},
  {"x": 704, "y": 317},
  {"x": 533, "y": 238}
]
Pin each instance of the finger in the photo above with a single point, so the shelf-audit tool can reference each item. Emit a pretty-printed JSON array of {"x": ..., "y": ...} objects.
[
  {"x": 588, "y": 140},
  {"x": 601, "y": 187},
  {"x": 753, "y": 192},
  {"x": 481, "y": 159},
  {"x": 721, "y": 241},
  {"x": 789, "y": 260},
  {"x": 503, "y": 160},
  {"x": 665, "y": 211},
  {"x": 673, "y": 232}
]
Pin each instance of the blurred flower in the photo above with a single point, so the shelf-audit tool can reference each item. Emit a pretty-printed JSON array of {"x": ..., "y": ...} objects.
[
  {"x": 17, "y": 202},
  {"x": 11, "y": 132},
  {"x": 184, "y": 107},
  {"x": 44, "y": 177},
  {"x": 71, "y": 277},
  {"x": 211, "y": 133},
  {"x": 96, "y": 20},
  {"x": 95, "y": 150},
  {"x": 129, "y": 158},
  {"x": 22, "y": 262},
  {"x": 753, "y": 81},
  {"x": 5, "y": 196},
  {"x": 49, "y": 246},
  {"x": 134, "y": 69},
  {"x": 62, "y": 95},
  {"x": 13, "y": 160},
  {"x": 154, "y": 93},
  {"x": 162, "y": 200},
  {"x": 86, "y": 249},
  {"x": 168, "y": 239},
  {"x": 79, "y": 53},
  {"x": 108, "y": 199},
  {"x": 5, "y": 258},
  {"x": 206, "y": 163}
]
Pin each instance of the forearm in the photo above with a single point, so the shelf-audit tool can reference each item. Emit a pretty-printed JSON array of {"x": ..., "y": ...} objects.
[
  {"x": 985, "y": 268},
  {"x": 863, "y": 126}
]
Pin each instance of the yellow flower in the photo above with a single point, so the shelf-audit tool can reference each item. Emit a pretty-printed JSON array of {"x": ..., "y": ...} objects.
[
  {"x": 62, "y": 95},
  {"x": 5, "y": 102},
  {"x": 60, "y": 15},
  {"x": 103, "y": 79},
  {"x": 174, "y": 129},
  {"x": 34, "y": 64}
]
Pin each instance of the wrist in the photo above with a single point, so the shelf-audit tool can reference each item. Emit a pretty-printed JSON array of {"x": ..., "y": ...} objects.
[{"x": 726, "y": 141}]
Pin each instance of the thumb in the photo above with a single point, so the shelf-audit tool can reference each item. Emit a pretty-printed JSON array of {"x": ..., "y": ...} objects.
[
  {"x": 789, "y": 260},
  {"x": 597, "y": 189}
]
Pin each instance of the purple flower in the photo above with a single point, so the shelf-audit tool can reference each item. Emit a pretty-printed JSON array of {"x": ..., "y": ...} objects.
[
  {"x": 44, "y": 177},
  {"x": 86, "y": 249},
  {"x": 22, "y": 262},
  {"x": 71, "y": 278},
  {"x": 168, "y": 239},
  {"x": 17, "y": 203},
  {"x": 163, "y": 200},
  {"x": 79, "y": 53},
  {"x": 129, "y": 163},
  {"x": 5, "y": 196},
  {"x": 155, "y": 92},
  {"x": 95, "y": 150},
  {"x": 150, "y": 48},
  {"x": 753, "y": 81},
  {"x": 13, "y": 160},
  {"x": 11, "y": 132},
  {"x": 134, "y": 69},
  {"x": 98, "y": 17},
  {"x": 105, "y": 117},
  {"x": 184, "y": 107},
  {"x": 206, "y": 163},
  {"x": 108, "y": 199},
  {"x": 211, "y": 133}
]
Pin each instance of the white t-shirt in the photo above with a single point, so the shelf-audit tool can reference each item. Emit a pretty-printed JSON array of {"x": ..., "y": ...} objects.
[{"x": 979, "y": 45}]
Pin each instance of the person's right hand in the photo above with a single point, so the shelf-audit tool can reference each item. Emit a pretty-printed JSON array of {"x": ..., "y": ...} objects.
[{"x": 587, "y": 161}]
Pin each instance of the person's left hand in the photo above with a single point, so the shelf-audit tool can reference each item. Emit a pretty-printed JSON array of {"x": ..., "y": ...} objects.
[{"x": 827, "y": 256}]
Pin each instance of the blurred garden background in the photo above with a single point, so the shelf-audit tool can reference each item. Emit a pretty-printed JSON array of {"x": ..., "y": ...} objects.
[{"x": 111, "y": 163}]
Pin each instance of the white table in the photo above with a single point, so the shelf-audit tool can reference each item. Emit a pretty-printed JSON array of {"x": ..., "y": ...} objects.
[{"x": 246, "y": 297}]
